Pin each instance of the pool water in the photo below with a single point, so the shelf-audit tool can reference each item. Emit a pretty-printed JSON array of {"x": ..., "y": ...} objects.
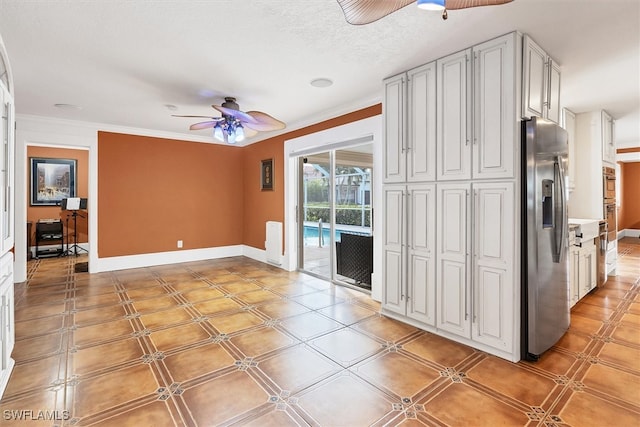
[{"x": 311, "y": 235}]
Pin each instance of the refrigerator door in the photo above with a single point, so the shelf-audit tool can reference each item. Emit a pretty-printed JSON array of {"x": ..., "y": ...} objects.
[{"x": 546, "y": 262}]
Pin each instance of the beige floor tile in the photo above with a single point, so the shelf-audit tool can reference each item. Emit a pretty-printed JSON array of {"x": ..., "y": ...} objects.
[
  {"x": 195, "y": 362},
  {"x": 297, "y": 367},
  {"x": 326, "y": 403},
  {"x": 224, "y": 398},
  {"x": 261, "y": 341},
  {"x": 397, "y": 373}
]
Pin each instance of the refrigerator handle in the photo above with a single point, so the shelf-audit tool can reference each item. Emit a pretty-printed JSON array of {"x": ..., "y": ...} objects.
[{"x": 559, "y": 223}]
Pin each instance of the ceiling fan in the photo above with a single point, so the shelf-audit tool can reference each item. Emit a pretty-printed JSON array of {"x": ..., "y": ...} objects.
[
  {"x": 235, "y": 125},
  {"x": 360, "y": 12}
]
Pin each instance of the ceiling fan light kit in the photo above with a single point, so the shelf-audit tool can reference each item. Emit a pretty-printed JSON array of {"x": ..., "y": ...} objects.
[
  {"x": 235, "y": 125},
  {"x": 436, "y": 5}
]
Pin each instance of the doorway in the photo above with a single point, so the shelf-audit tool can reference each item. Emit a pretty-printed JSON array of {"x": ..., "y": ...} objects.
[{"x": 335, "y": 206}]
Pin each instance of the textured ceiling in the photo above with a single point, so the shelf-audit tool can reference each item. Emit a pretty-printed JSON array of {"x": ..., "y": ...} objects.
[{"x": 123, "y": 61}]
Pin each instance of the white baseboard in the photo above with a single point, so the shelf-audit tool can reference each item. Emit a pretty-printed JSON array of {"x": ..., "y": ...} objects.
[
  {"x": 163, "y": 258},
  {"x": 628, "y": 232}
]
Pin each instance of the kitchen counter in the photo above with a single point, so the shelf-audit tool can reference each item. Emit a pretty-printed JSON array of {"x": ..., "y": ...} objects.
[{"x": 586, "y": 229}]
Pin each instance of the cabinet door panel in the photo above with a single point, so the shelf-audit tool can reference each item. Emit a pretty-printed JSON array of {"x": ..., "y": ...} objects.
[
  {"x": 553, "y": 112},
  {"x": 421, "y": 247},
  {"x": 393, "y": 235},
  {"x": 422, "y": 292},
  {"x": 452, "y": 277},
  {"x": 454, "y": 151},
  {"x": 491, "y": 304},
  {"x": 493, "y": 284},
  {"x": 394, "y": 129},
  {"x": 494, "y": 108},
  {"x": 533, "y": 81},
  {"x": 452, "y": 307},
  {"x": 422, "y": 123},
  {"x": 393, "y": 290}
]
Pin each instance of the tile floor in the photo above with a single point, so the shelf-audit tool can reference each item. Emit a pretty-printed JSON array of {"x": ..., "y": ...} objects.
[{"x": 237, "y": 342}]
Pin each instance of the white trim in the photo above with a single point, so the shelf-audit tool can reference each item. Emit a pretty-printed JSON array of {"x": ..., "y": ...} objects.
[
  {"x": 370, "y": 128},
  {"x": 628, "y": 232},
  {"x": 163, "y": 258}
]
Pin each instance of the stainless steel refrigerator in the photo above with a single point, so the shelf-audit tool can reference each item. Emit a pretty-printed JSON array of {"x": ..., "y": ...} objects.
[{"x": 545, "y": 262}]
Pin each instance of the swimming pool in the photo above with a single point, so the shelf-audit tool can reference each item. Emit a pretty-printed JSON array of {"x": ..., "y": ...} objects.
[{"x": 311, "y": 234}]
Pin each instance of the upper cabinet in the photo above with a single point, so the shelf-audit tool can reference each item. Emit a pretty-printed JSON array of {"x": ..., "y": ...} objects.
[
  {"x": 608, "y": 143},
  {"x": 410, "y": 125},
  {"x": 540, "y": 83},
  {"x": 494, "y": 108},
  {"x": 454, "y": 118},
  {"x": 395, "y": 163},
  {"x": 477, "y": 112},
  {"x": 569, "y": 124}
]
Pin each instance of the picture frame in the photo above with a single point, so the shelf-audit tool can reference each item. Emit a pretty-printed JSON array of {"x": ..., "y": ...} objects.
[
  {"x": 52, "y": 180},
  {"x": 266, "y": 175}
]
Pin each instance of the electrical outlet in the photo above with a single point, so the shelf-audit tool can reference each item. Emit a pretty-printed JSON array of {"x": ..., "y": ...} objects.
[{"x": 179, "y": 243}]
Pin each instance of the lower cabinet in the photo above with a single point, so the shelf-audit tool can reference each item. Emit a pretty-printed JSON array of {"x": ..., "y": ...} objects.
[
  {"x": 7, "y": 321},
  {"x": 583, "y": 276},
  {"x": 409, "y": 249},
  {"x": 449, "y": 255}
]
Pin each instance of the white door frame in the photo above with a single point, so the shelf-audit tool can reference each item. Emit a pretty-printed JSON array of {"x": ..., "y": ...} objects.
[{"x": 330, "y": 139}]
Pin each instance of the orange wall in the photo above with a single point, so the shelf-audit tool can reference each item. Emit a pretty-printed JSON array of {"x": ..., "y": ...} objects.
[
  {"x": 154, "y": 192},
  {"x": 629, "y": 213},
  {"x": 34, "y": 213},
  {"x": 262, "y": 206}
]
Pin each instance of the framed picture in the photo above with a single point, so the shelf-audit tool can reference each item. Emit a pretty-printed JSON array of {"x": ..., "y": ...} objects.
[
  {"x": 266, "y": 175},
  {"x": 52, "y": 180}
]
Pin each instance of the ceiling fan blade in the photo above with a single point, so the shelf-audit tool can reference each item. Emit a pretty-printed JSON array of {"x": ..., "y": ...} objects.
[
  {"x": 263, "y": 122},
  {"x": 240, "y": 115},
  {"x": 204, "y": 125},
  {"x": 360, "y": 12},
  {"x": 201, "y": 117},
  {"x": 248, "y": 132},
  {"x": 463, "y": 4}
]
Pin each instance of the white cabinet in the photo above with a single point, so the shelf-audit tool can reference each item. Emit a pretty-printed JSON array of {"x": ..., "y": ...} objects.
[
  {"x": 479, "y": 306},
  {"x": 410, "y": 125},
  {"x": 453, "y": 258},
  {"x": 449, "y": 254},
  {"x": 574, "y": 268},
  {"x": 7, "y": 321},
  {"x": 494, "y": 108},
  {"x": 409, "y": 251},
  {"x": 592, "y": 129},
  {"x": 540, "y": 83},
  {"x": 608, "y": 142},
  {"x": 454, "y": 115},
  {"x": 394, "y": 129},
  {"x": 583, "y": 276},
  {"x": 569, "y": 124},
  {"x": 7, "y": 175},
  {"x": 421, "y": 150},
  {"x": 493, "y": 262},
  {"x": 482, "y": 93}
]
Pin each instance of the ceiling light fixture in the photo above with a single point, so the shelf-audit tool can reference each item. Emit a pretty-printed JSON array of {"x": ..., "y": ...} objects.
[
  {"x": 431, "y": 4},
  {"x": 321, "y": 82},
  {"x": 67, "y": 106},
  {"x": 229, "y": 131}
]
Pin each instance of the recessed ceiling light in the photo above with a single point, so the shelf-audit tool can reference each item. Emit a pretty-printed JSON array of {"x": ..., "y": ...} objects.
[
  {"x": 321, "y": 82},
  {"x": 67, "y": 106}
]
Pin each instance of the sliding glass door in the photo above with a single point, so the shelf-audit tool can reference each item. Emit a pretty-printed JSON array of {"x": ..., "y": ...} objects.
[{"x": 335, "y": 235}]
